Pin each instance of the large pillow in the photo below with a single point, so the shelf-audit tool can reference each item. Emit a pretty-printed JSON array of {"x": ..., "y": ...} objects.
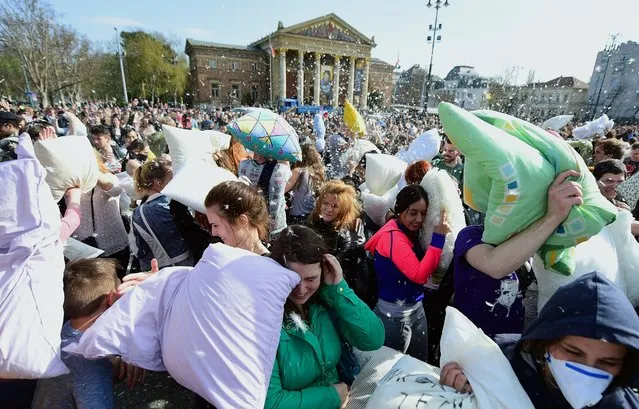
[
  {"x": 442, "y": 194},
  {"x": 376, "y": 207},
  {"x": 31, "y": 270},
  {"x": 353, "y": 120},
  {"x": 186, "y": 145},
  {"x": 361, "y": 147},
  {"x": 192, "y": 183},
  {"x": 70, "y": 161},
  {"x": 215, "y": 327},
  {"x": 511, "y": 163},
  {"x": 383, "y": 172},
  {"x": 374, "y": 365},
  {"x": 414, "y": 384},
  {"x": 557, "y": 122},
  {"x": 424, "y": 147},
  {"x": 319, "y": 126},
  {"x": 268, "y": 134},
  {"x": 495, "y": 385},
  {"x": 599, "y": 126}
]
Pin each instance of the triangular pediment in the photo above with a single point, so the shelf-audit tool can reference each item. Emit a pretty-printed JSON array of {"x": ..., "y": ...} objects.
[{"x": 329, "y": 27}]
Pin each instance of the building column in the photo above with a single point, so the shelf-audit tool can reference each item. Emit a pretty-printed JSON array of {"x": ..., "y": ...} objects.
[
  {"x": 363, "y": 99},
  {"x": 316, "y": 85},
  {"x": 300, "y": 78},
  {"x": 282, "y": 73},
  {"x": 336, "y": 82},
  {"x": 351, "y": 79}
]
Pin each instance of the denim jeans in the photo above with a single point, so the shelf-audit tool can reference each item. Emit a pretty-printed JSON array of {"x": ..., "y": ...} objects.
[{"x": 407, "y": 334}]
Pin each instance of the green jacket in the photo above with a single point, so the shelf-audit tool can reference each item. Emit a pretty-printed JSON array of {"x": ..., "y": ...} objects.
[{"x": 306, "y": 363}]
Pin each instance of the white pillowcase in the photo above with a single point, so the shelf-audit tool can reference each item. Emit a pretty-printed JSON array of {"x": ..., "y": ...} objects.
[
  {"x": 383, "y": 172},
  {"x": 189, "y": 146},
  {"x": 376, "y": 207},
  {"x": 215, "y": 327},
  {"x": 31, "y": 270},
  {"x": 192, "y": 183},
  {"x": 494, "y": 382},
  {"x": 70, "y": 161}
]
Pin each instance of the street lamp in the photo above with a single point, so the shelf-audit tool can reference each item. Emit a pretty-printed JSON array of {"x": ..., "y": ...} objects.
[
  {"x": 434, "y": 28},
  {"x": 126, "y": 96}
]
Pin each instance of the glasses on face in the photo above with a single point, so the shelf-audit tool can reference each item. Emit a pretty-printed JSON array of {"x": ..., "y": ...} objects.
[{"x": 607, "y": 182}]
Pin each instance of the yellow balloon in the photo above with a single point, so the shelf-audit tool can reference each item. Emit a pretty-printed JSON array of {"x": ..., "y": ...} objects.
[{"x": 353, "y": 120}]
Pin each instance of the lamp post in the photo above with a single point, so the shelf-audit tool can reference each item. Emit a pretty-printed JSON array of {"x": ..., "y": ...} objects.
[
  {"x": 126, "y": 96},
  {"x": 426, "y": 83}
]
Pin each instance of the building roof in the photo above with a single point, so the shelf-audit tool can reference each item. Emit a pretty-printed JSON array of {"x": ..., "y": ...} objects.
[
  {"x": 461, "y": 71},
  {"x": 561, "y": 82},
  {"x": 197, "y": 43},
  {"x": 331, "y": 16}
]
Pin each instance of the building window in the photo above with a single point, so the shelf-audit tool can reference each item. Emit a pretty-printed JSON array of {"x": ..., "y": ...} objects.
[
  {"x": 254, "y": 67},
  {"x": 212, "y": 64},
  {"x": 565, "y": 98},
  {"x": 235, "y": 65},
  {"x": 254, "y": 93},
  {"x": 215, "y": 90},
  {"x": 235, "y": 90}
]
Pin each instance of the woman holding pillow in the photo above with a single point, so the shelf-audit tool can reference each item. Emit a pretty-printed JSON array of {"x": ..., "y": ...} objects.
[{"x": 403, "y": 268}]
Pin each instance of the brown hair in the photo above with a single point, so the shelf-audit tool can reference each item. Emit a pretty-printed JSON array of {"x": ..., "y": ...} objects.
[
  {"x": 230, "y": 158},
  {"x": 415, "y": 172},
  {"x": 145, "y": 175},
  {"x": 234, "y": 199},
  {"x": 299, "y": 244},
  {"x": 349, "y": 207},
  {"x": 87, "y": 282},
  {"x": 312, "y": 161},
  {"x": 613, "y": 147}
]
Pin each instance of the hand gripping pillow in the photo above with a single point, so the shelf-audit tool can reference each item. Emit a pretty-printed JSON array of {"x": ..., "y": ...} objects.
[
  {"x": 507, "y": 177},
  {"x": 192, "y": 183},
  {"x": 414, "y": 384},
  {"x": 31, "y": 270},
  {"x": 268, "y": 134},
  {"x": 70, "y": 161},
  {"x": 353, "y": 120},
  {"x": 494, "y": 382},
  {"x": 383, "y": 172},
  {"x": 190, "y": 146},
  {"x": 214, "y": 327},
  {"x": 442, "y": 194}
]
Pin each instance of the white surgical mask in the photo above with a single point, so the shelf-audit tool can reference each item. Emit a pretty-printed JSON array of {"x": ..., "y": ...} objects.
[{"x": 581, "y": 385}]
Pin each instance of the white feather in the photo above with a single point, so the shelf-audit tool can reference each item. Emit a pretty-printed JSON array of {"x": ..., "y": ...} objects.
[{"x": 298, "y": 321}]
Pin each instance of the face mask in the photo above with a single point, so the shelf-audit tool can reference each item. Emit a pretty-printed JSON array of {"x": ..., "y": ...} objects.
[{"x": 581, "y": 385}]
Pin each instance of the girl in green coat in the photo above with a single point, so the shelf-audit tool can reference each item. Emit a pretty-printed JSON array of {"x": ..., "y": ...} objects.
[{"x": 320, "y": 312}]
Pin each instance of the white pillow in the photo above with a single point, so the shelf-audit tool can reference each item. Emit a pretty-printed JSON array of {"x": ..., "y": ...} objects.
[
  {"x": 494, "y": 382},
  {"x": 192, "y": 183},
  {"x": 31, "y": 270},
  {"x": 70, "y": 161},
  {"x": 190, "y": 146},
  {"x": 376, "y": 207},
  {"x": 426, "y": 146},
  {"x": 414, "y": 384},
  {"x": 373, "y": 366},
  {"x": 215, "y": 327},
  {"x": 383, "y": 172}
]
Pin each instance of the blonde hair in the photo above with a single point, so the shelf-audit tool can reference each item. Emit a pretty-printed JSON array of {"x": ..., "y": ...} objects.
[
  {"x": 145, "y": 175},
  {"x": 348, "y": 205}
]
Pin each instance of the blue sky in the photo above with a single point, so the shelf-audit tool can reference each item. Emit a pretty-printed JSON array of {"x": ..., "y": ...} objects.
[{"x": 553, "y": 37}]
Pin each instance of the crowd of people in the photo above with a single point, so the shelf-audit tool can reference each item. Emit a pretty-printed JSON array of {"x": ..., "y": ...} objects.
[{"x": 360, "y": 281}]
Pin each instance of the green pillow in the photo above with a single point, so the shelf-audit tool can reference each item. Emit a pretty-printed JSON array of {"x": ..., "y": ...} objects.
[{"x": 510, "y": 164}]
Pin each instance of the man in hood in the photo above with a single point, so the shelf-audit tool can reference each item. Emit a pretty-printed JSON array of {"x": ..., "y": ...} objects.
[{"x": 582, "y": 351}]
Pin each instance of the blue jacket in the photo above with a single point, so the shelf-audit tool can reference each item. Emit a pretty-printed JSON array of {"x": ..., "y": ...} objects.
[
  {"x": 159, "y": 237},
  {"x": 590, "y": 307}
]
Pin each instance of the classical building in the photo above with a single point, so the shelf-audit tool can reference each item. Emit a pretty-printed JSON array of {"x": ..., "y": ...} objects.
[
  {"x": 464, "y": 87},
  {"x": 410, "y": 84},
  {"x": 614, "y": 85},
  {"x": 323, "y": 61},
  {"x": 560, "y": 96}
]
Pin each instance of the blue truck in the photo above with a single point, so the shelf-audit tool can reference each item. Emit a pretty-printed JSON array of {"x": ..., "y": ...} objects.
[{"x": 290, "y": 104}]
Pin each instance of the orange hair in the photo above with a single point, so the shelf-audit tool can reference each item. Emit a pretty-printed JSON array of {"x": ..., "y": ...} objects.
[{"x": 349, "y": 207}]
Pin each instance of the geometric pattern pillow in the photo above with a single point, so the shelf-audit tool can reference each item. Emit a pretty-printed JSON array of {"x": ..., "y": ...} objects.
[{"x": 512, "y": 165}]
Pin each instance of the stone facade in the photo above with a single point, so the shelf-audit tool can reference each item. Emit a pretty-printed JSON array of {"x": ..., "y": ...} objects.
[
  {"x": 560, "y": 96},
  {"x": 614, "y": 85},
  {"x": 464, "y": 87},
  {"x": 323, "y": 61}
]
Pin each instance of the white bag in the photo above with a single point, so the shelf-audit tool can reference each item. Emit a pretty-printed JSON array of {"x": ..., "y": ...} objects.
[
  {"x": 70, "y": 161},
  {"x": 376, "y": 207},
  {"x": 194, "y": 145},
  {"x": 415, "y": 384},
  {"x": 442, "y": 194},
  {"x": 31, "y": 271},
  {"x": 215, "y": 327},
  {"x": 383, "y": 172},
  {"x": 612, "y": 252},
  {"x": 493, "y": 380},
  {"x": 192, "y": 183}
]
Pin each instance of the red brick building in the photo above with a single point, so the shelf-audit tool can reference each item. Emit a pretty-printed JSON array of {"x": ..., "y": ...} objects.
[{"x": 323, "y": 61}]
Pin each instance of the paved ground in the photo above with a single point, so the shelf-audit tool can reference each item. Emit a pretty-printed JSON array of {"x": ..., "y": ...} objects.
[{"x": 159, "y": 391}]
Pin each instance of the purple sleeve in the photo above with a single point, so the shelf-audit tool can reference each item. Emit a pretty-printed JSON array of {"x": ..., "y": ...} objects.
[{"x": 468, "y": 238}]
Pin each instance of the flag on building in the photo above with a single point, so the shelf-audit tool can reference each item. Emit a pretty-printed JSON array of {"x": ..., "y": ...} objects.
[
  {"x": 397, "y": 66},
  {"x": 272, "y": 50}
]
